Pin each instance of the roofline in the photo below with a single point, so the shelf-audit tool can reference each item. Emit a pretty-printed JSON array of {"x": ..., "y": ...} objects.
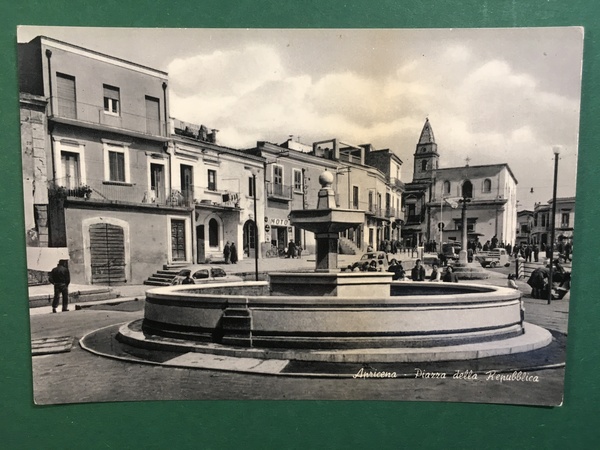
[
  {"x": 483, "y": 165},
  {"x": 94, "y": 52},
  {"x": 217, "y": 148}
]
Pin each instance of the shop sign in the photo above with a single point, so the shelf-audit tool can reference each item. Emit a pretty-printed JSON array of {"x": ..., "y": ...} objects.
[{"x": 279, "y": 222}]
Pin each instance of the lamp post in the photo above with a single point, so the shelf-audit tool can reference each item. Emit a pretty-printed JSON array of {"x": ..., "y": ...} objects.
[
  {"x": 556, "y": 150},
  {"x": 255, "y": 226}
]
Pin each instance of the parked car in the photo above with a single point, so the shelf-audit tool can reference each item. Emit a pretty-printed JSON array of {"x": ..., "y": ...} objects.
[
  {"x": 450, "y": 252},
  {"x": 494, "y": 258},
  {"x": 205, "y": 274},
  {"x": 381, "y": 261}
]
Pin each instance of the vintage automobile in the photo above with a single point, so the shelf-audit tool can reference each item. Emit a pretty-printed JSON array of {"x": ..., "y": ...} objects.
[
  {"x": 449, "y": 253},
  {"x": 205, "y": 274},
  {"x": 381, "y": 261},
  {"x": 494, "y": 258}
]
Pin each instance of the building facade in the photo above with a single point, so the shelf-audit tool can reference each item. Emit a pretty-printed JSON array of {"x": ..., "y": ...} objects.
[
  {"x": 432, "y": 199},
  {"x": 564, "y": 221},
  {"x": 105, "y": 148},
  {"x": 217, "y": 182}
]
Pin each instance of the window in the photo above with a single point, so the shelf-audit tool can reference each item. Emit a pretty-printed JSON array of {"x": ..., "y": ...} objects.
[
  {"x": 297, "y": 180},
  {"x": 446, "y": 187},
  {"x": 467, "y": 189},
  {"x": 355, "y": 197},
  {"x": 213, "y": 233},
  {"x": 70, "y": 170},
  {"x": 424, "y": 165},
  {"x": 152, "y": 115},
  {"x": 370, "y": 201},
  {"x": 251, "y": 186},
  {"x": 212, "y": 180},
  {"x": 564, "y": 220},
  {"x": 65, "y": 91},
  {"x": 116, "y": 161},
  {"x": 111, "y": 100},
  {"x": 277, "y": 174},
  {"x": 487, "y": 185}
]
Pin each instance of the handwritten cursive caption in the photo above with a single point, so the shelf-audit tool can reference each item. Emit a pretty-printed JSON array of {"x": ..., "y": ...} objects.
[{"x": 490, "y": 375}]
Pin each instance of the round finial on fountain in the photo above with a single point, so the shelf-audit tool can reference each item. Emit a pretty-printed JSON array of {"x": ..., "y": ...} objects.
[{"x": 326, "y": 179}]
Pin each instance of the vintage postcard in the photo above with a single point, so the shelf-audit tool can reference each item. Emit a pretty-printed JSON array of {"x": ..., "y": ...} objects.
[{"x": 376, "y": 214}]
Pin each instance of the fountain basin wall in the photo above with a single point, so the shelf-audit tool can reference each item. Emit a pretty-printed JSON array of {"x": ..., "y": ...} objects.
[{"x": 414, "y": 315}]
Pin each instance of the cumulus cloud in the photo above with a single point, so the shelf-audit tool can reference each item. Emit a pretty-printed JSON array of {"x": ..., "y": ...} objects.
[{"x": 481, "y": 108}]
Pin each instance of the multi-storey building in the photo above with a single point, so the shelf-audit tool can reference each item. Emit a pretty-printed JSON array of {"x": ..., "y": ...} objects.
[
  {"x": 291, "y": 175},
  {"x": 106, "y": 163},
  {"x": 491, "y": 190},
  {"x": 524, "y": 227},
  {"x": 564, "y": 221},
  {"x": 218, "y": 183}
]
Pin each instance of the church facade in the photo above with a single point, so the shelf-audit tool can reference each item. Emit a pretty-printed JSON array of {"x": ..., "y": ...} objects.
[{"x": 433, "y": 200}]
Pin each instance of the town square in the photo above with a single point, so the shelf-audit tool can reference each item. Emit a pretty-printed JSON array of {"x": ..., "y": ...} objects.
[{"x": 379, "y": 228}]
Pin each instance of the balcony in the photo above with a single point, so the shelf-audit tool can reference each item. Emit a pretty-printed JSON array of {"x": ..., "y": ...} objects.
[
  {"x": 109, "y": 192},
  {"x": 95, "y": 116},
  {"x": 277, "y": 191}
]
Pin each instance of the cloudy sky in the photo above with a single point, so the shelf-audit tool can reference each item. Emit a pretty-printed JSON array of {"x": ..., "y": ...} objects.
[{"x": 493, "y": 95}]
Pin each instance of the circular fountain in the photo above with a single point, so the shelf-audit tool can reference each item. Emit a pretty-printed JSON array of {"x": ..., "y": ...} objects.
[{"x": 329, "y": 315}]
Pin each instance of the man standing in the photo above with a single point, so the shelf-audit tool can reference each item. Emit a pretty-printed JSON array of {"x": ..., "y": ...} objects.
[
  {"x": 227, "y": 252},
  {"x": 60, "y": 278},
  {"x": 418, "y": 272}
]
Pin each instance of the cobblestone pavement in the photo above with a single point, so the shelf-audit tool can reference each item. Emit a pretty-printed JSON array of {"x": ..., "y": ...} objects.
[{"x": 79, "y": 376}]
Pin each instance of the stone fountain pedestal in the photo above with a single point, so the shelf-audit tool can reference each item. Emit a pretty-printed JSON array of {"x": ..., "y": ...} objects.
[
  {"x": 465, "y": 270},
  {"x": 327, "y": 221}
]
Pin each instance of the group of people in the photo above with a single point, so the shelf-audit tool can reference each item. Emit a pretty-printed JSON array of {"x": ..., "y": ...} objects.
[
  {"x": 230, "y": 253},
  {"x": 540, "y": 282},
  {"x": 418, "y": 273}
]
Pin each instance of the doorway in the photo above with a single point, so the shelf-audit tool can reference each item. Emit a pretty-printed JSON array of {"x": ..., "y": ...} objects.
[{"x": 178, "y": 240}]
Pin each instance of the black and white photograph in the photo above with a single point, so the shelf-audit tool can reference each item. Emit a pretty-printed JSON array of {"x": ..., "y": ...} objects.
[{"x": 299, "y": 214}]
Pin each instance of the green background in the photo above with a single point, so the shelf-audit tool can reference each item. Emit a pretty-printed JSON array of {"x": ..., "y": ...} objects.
[{"x": 295, "y": 424}]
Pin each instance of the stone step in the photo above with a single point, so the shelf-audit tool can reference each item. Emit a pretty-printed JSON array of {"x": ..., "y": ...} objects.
[
  {"x": 175, "y": 266},
  {"x": 170, "y": 273}
]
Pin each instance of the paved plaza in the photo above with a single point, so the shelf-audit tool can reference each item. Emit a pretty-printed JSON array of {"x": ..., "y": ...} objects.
[{"x": 80, "y": 376}]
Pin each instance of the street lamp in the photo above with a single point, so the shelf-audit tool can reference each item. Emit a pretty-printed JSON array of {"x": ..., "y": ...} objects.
[
  {"x": 256, "y": 247},
  {"x": 556, "y": 150}
]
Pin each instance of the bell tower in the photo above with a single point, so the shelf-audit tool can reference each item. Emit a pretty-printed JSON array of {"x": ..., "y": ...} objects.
[{"x": 426, "y": 155}]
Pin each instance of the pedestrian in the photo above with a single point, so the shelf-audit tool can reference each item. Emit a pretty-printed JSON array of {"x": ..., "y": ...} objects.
[
  {"x": 568, "y": 250},
  {"x": 369, "y": 248},
  {"x": 418, "y": 272},
  {"x": 450, "y": 276},
  {"x": 536, "y": 253},
  {"x": 291, "y": 252},
  {"x": 494, "y": 243},
  {"x": 60, "y": 278},
  {"x": 397, "y": 269},
  {"x": 372, "y": 266},
  {"x": 227, "y": 252},
  {"x": 188, "y": 278},
  {"x": 539, "y": 282},
  {"x": 512, "y": 281},
  {"x": 233, "y": 256},
  {"x": 435, "y": 274}
]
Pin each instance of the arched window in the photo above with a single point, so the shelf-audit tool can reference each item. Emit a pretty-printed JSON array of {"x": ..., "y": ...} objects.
[
  {"x": 487, "y": 185},
  {"x": 213, "y": 233},
  {"x": 446, "y": 188},
  {"x": 424, "y": 165},
  {"x": 467, "y": 189}
]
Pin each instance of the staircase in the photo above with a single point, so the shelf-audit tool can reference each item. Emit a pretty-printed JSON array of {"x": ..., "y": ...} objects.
[
  {"x": 347, "y": 247},
  {"x": 165, "y": 276}
]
